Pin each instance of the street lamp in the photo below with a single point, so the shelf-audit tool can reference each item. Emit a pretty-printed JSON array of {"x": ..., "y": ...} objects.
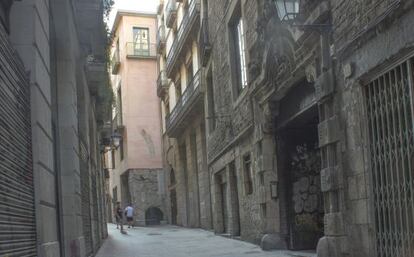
[
  {"x": 287, "y": 10},
  {"x": 116, "y": 139}
]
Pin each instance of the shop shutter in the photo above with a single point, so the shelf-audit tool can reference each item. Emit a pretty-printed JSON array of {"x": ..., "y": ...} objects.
[
  {"x": 389, "y": 104},
  {"x": 17, "y": 212}
]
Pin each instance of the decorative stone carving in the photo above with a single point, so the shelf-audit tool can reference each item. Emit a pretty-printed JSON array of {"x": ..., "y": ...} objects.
[
  {"x": 311, "y": 74},
  {"x": 270, "y": 110}
]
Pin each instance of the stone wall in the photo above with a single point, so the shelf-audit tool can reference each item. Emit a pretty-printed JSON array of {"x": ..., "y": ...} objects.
[
  {"x": 186, "y": 156},
  {"x": 144, "y": 191},
  {"x": 366, "y": 44}
]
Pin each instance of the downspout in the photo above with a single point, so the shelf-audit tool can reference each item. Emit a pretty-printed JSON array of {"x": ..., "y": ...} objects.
[{"x": 56, "y": 153}]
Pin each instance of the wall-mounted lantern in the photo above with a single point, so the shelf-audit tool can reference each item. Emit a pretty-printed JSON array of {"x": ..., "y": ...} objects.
[{"x": 287, "y": 10}]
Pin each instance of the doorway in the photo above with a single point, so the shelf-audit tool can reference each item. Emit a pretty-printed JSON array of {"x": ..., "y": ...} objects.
[
  {"x": 153, "y": 216},
  {"x": 221, "y": 202},
  {"x": 234, "y": 199},
  {"x": 173, "y": 196},
  {"x": 301, "y": 165}
]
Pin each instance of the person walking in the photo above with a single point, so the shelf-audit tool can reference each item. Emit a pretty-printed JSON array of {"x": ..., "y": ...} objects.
[
  {"x": 118, "y": 216},
  {"x": 129, "y": 213}
]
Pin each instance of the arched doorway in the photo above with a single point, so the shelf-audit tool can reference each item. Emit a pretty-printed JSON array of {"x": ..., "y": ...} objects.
[{"x": 153, "y": 216}]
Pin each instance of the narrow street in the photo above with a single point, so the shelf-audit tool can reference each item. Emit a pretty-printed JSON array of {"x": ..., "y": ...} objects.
[{"x": 170, "y": 241}]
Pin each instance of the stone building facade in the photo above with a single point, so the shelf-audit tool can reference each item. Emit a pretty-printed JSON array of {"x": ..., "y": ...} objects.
[
  {"x": 137, "y": 174},
  {"x": 53, "y": 107},
  {"x": 310, "y": 137},
  {"x": 181, "y": 89}
]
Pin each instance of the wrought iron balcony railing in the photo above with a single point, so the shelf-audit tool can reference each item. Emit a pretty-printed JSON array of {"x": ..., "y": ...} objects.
[
  {"x": 162, "y": 83},
  {"x": 115, "y": 62},
  {"x": 205, "y": 47},
  {"x": 140, "y": 50},
  {"x": 161, "y": 39},
  {"x": 171, "y": 13},
  {"x": 184, "y": 106},
  {"x": 189, "y": 19}
]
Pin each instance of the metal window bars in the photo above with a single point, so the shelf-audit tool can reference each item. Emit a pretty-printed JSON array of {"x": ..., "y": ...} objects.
[{"x": 389, "y": 105}]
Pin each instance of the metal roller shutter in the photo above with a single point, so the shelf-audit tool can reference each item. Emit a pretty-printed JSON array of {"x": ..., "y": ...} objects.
[
  {"x": 86, "y": 202},
  {"x": 17, "y": 212}
]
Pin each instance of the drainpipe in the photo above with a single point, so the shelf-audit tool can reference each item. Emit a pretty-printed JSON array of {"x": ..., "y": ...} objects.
[{"x": 56, "y": 143}]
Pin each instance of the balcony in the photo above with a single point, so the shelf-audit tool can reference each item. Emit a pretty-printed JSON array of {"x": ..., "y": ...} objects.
[
  {"x": 205, "y": 47},
  {"x": 189, "y": 22},
  {"x": 115, "y": 62},
  {"x": 171, "y": 13},
  {"x": 188, "y": 106},
  {"x": 161, "y": 39},
  {"x": 162, "y": 83},
  {"x": 141, "y": 51}
]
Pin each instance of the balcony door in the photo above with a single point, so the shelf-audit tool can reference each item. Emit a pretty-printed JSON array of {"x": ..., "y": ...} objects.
[{"x": 141, "y": 41}]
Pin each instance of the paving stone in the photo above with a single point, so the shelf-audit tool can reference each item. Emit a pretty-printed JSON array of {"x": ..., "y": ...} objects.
[{"x": 170, "y": 241}]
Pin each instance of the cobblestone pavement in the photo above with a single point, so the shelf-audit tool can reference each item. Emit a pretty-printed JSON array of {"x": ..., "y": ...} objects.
[{"x": 169, "y": 241}]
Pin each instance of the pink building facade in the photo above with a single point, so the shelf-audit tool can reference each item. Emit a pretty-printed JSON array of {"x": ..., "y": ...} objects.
[{"x": 137, "y": 175}]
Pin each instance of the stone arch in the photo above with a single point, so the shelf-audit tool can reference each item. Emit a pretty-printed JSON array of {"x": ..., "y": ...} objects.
[{"x": 153, "y": 216}]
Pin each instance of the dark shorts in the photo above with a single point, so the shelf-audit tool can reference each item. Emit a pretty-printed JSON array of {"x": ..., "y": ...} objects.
[
  {"x": 118, "y": 219},
  {"x": 130, "y": 219}
]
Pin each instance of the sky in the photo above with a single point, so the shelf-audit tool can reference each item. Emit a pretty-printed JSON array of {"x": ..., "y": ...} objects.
[{"x": 133, "y": 5}]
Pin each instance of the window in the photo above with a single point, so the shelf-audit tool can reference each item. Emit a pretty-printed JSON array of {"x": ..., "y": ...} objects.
[
  {"x": 121, "y": 149},
  {"x": 141, "y": 41},
  {"x": 115, "y": 194},
  {"x": 113, "y": 159},
  {"x": 172, "y": 177},
  {"x": 178, "y": 91},
  {"x": 189, "y": 68},
  {"x": 263, "y": 210},
  {"x": 241, "y": 60},
  {"x": 248, "y": 174},
  {"x": 262, "y": 178},
  {"x": 210, "y": 102},
  {"x": 238, "y": 51},
  {"x": 119, "y": 106}
]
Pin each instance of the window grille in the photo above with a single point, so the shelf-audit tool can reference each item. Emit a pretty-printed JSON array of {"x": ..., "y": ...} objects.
[{"x": 389, "y": 103}]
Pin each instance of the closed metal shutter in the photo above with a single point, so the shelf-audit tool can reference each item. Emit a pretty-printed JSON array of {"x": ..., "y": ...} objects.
[
  {"x": 17, "y": 212},
  {"x": 86, "y": 202},
  {"x": 389, "y": 101}
]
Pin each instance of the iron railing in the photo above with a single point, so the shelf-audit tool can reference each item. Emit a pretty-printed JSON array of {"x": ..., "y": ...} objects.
[
  {"x": 182, "y": 105},
  {"x": 205, "y": 46},
  {"x": 162, "y": 83},
  {"x": 115, "y": 62},
  {"x": 140, "y": 50},
  {"x": 171, "y": 13},
  {"x": 161, "y": 40},
  {"x": 184, "y": 30}
]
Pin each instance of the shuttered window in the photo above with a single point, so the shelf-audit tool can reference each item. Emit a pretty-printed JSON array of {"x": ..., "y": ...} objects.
[{"x": 389, "y": 105}]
